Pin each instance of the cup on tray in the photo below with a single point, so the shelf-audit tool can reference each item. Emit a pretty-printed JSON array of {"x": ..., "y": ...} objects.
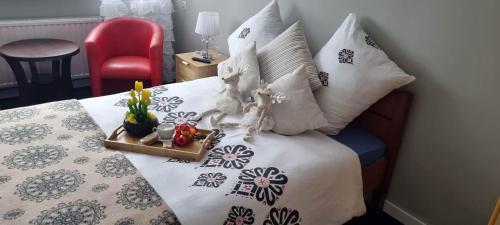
[{"x": 165, "y": 131}]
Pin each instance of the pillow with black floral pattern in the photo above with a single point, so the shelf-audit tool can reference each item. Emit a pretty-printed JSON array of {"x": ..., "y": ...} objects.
[
  {"x": 355, "y": 73},
  {"x": 262, "y": 28}
]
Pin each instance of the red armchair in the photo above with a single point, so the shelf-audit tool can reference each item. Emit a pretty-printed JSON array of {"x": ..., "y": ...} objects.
[{"x": 124, "y": 48}]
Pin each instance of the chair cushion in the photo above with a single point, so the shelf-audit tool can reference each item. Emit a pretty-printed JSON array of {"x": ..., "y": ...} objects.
[{"x": 126, "y": 67}]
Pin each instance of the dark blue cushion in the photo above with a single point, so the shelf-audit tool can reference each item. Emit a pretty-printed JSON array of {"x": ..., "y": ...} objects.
[{"x": 368, "y": 146}]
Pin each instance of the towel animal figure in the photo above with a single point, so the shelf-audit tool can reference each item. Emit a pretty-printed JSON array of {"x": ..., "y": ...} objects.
[
  {"x": 229, "y": 101},
  {"x": 257, "y": 116}
]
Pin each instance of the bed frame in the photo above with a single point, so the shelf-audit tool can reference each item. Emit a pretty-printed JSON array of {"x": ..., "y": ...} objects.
[{"x": 386, "y": 119}]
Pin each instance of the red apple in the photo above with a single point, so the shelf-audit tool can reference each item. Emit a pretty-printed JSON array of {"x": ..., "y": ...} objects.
[{"x": 181, "y": 140}]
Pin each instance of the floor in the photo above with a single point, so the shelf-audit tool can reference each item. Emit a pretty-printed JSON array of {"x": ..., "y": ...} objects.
[{"x": 373, "y": 216}]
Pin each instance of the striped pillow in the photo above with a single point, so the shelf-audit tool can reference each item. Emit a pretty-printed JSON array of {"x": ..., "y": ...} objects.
[{"x": 286, "y": 53}]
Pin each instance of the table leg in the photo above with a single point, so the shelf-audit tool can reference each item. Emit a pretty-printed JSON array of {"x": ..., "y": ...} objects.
[
  {"x": 34, "y": 72},
  {"x": 56, "y": 75},
  {"x": 66, "y": 76},
  {"x": 35, "y": 79},
  {"x": 25, "y": 92}
]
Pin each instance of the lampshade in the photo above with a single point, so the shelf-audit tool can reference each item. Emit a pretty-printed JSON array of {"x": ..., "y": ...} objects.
[{"x": 208, "y": 23}]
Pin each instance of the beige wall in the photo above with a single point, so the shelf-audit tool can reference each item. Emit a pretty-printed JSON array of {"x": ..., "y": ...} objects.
[{"x": 448, "y": 171}]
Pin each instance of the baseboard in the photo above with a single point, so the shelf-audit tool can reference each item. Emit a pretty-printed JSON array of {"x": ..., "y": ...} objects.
[{"x": 401, "y": 215}]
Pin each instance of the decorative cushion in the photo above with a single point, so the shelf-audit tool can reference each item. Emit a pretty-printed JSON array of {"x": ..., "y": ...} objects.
[
  {"x": 249, "y": 79},
  {"x": 299, "y": 111},
  {"x": 262, "y": 28},
  {"x": 355, "y": 72},
  {"x": 285, "y": 54}
]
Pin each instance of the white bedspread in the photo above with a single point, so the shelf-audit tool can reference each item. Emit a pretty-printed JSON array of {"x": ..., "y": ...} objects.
[{"x": 305, "y": 179}]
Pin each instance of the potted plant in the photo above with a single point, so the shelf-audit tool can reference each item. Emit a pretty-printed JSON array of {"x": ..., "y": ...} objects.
[{"x": 138, "y": 121}]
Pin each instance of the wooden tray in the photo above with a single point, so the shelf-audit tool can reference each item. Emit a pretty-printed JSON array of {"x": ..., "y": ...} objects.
[{"x": 121, "y": 140}]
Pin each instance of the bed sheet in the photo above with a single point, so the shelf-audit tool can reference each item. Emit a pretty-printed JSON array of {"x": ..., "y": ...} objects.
[{"x": 369, "y": 147}]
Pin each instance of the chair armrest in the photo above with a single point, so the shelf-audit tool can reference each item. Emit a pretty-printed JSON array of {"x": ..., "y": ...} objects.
[
  {"x": 156, "y": 55},
  {"x": 96, "y": 55},
  {"x": 156, "y": 36},
  {"x": 95, "y": 44}
]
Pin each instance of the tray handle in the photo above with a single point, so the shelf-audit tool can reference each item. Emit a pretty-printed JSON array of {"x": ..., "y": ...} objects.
[
  {"x": 208, "y": 139},
  {"x": 120, "y": 130},
  {"x": 116, "y": 132}
]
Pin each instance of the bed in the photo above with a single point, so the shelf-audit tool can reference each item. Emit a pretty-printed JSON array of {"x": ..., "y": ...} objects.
[
  {"x": 304, "y": 179},
  {"x": 386, "y": 120}
]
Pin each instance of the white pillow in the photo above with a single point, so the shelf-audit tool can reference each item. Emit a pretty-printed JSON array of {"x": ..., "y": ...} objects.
[
  {"x": 299, "y": 111},
  {"x": 285, "y": 53},
  {"x": 355, "y": 72},
  {"x": 262, "y": 28},
  {"x": 249, "y": 79}
]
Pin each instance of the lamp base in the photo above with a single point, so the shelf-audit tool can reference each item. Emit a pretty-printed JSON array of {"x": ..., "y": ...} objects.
[
  {"x": 207, "y": 56},
  {"x": 212, "y": 54}
]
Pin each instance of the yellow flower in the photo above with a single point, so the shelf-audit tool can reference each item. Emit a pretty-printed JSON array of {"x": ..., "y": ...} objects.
[
  {"x": 151, "y": 116},
  {"x": 145, "y": 95},
  {"x": 138, "y": 86},
  {"x": 132, "y": 101},
  {"x": 131, "y": 119},
  {"x": 133, "y": 95}
]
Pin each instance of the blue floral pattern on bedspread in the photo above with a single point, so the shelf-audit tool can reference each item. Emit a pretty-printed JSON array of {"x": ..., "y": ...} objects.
[{"x": 54, "y": 169}]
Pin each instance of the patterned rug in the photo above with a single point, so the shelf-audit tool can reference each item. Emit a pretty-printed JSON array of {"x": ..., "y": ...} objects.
[{"x": 54, "y": 169}]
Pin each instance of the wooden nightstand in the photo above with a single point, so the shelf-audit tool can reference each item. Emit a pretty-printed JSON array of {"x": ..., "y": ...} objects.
[{"x": 186, "y": 69}]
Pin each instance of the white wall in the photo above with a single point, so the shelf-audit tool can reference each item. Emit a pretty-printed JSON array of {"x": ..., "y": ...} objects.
[
  {"x": 448, "y": 171},
  {"x": 16, "y": 9}
]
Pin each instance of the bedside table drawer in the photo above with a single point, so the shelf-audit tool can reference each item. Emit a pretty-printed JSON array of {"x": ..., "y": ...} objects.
[{"x": 185, "y": 70}]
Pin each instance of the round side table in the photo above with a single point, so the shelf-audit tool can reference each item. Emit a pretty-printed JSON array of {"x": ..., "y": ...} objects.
[{"x": 39, "y": 50}]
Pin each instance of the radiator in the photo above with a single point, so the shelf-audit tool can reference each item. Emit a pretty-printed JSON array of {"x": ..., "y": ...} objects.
[{"x": 72, "y": 29}]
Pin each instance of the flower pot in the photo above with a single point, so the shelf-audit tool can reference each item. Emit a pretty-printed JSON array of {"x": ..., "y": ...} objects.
[{"x": 140, "y": 129}]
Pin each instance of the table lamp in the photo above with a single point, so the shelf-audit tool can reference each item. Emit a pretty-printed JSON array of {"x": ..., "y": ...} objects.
[{"x": 207, "y": 26}]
